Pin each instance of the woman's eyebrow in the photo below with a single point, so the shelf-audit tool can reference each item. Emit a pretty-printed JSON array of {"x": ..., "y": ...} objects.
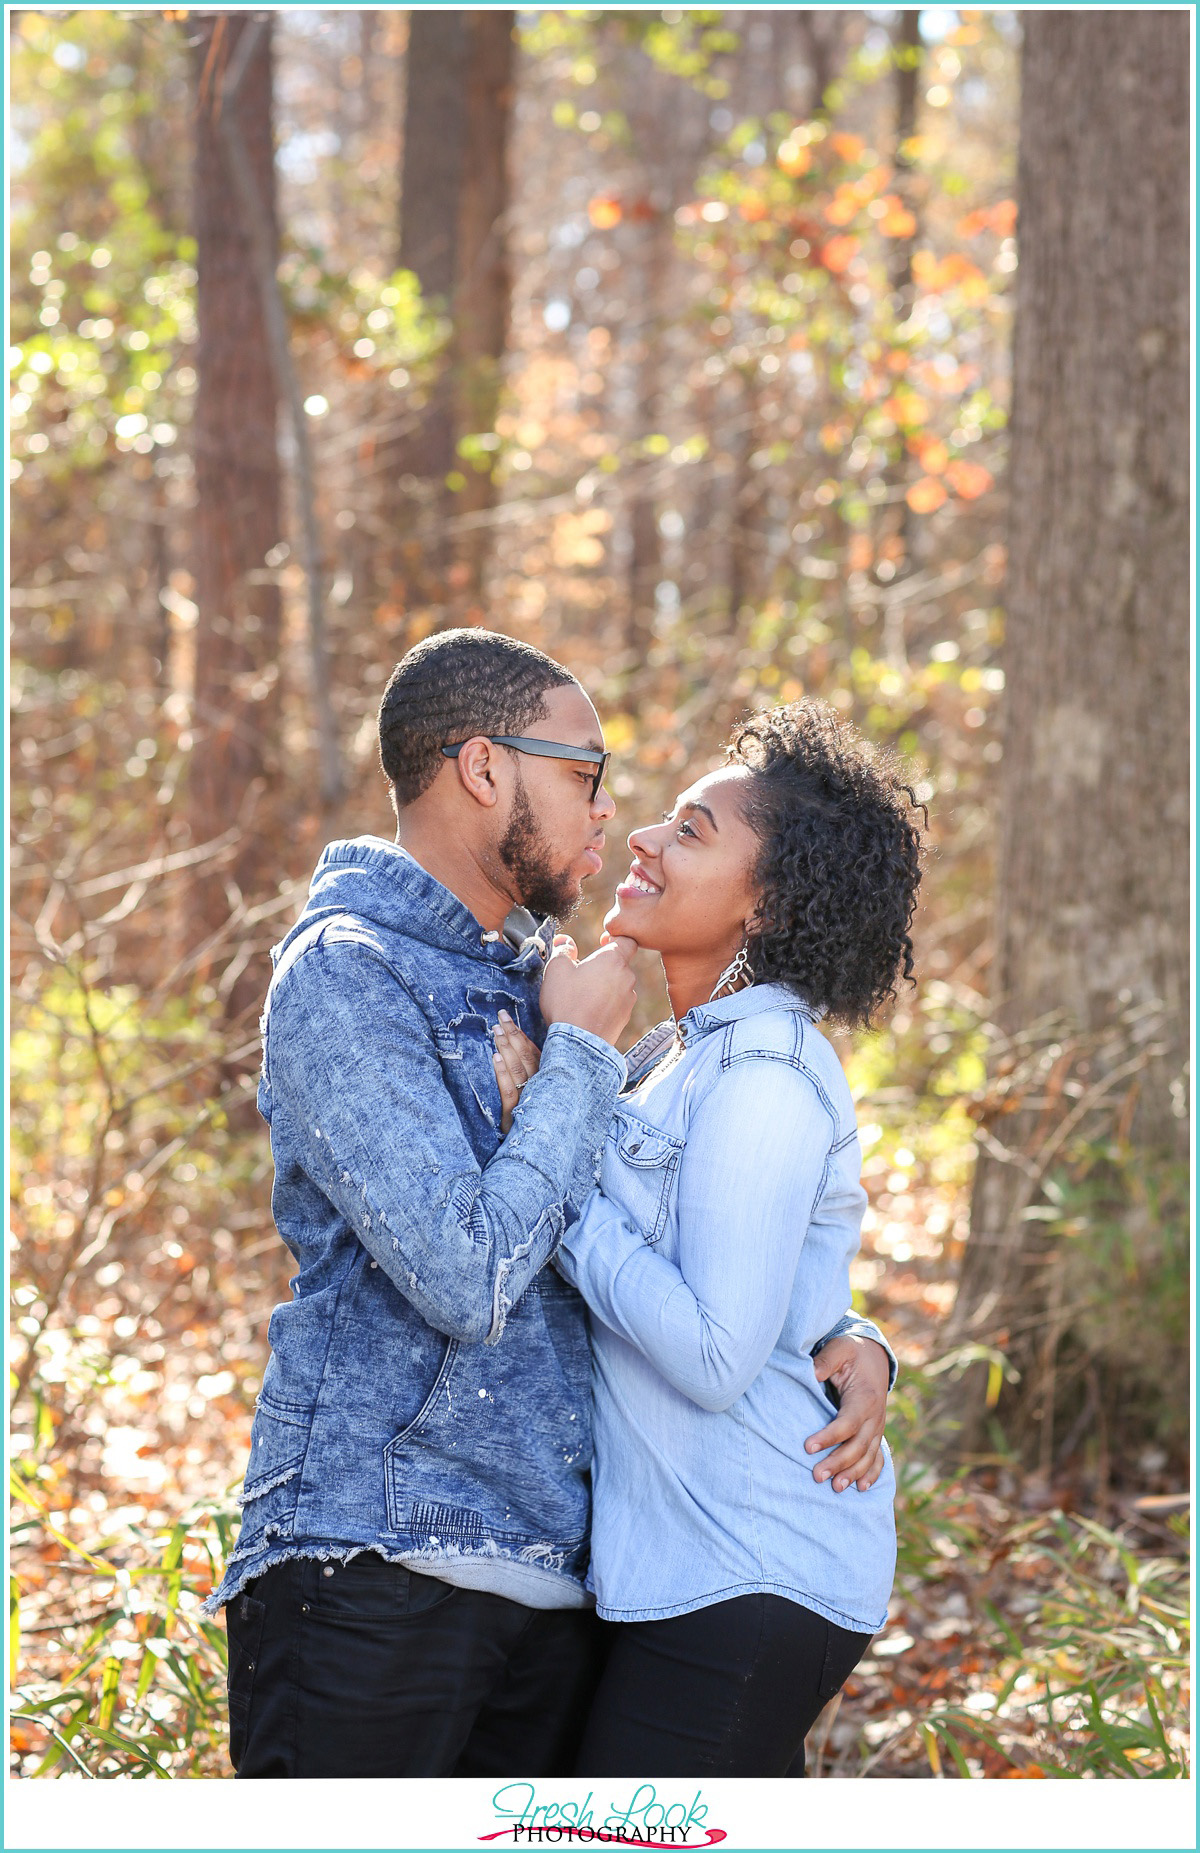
[{"x": 704, "y": 811}]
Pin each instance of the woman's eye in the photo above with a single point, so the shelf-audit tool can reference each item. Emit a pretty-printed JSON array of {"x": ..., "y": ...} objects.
[{"x": 686, "y": 828}]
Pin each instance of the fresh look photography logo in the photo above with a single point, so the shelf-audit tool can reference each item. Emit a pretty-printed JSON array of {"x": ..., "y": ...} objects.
[{"x": 646, "y": 1820}]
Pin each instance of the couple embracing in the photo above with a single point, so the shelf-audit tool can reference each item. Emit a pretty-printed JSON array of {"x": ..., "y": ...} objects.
[{"x": 568, "y": 1457}]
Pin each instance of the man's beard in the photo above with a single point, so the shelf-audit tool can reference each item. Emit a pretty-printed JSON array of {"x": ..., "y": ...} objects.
[{"x": 527, "y": 857}]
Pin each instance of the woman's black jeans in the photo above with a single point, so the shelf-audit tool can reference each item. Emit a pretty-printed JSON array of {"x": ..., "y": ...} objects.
[{"x": 729, "y": 1690}]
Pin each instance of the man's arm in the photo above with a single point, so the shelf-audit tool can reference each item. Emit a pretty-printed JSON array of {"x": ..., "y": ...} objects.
[{"x": 351, "y": 1058}]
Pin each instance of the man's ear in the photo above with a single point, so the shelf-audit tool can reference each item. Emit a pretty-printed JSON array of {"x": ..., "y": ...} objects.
[{"x": 476, "y": 762}]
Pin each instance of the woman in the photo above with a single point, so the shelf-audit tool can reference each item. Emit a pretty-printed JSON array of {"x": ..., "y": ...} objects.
[{"x": 716, "y": 1252}]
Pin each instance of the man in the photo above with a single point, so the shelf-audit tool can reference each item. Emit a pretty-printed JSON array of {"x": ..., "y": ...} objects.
[{"x": 407, "y": 1592}]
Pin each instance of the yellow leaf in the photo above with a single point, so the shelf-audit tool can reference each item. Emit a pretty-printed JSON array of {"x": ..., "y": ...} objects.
[
  {"x": 604, "y": 212},
  {"x": 108, "y": 1692}
]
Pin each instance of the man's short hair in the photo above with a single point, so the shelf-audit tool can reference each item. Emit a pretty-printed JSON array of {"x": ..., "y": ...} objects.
[{"x": 452, "y": 686}]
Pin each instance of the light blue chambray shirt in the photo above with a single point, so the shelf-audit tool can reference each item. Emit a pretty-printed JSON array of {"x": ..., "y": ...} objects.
[{"x": 713, "y": 1257}]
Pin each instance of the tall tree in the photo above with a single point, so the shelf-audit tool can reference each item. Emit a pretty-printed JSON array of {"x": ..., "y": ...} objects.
[
  {"x": 237, "y": 519},
  {"x": 458, "y": 77},
  {"x": 1091, "y": 927},
  {"x": 483, "y": 289}
]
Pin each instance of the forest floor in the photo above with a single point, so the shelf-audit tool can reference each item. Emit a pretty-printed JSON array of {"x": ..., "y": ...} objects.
[{"x": 1035, "y": 1630}]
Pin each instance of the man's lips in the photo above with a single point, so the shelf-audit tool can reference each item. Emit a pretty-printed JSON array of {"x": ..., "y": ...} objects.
[{"x": 593, "y": 861}]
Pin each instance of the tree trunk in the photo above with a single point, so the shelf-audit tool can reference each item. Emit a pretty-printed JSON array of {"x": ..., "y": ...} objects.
[
  {"x": 906, "y": 54},
  {"x": 1091, "y": 933},
  {"x": 482, "y": 285},
  {"x": 238, "y": 517},
  {"x": 645, "y": 547},
  {"x": 453, "y": 205}
]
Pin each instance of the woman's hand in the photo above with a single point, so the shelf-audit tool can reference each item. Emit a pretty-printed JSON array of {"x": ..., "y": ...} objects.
[
  {"x": 859, "y": 1370},
  {"x": 516, "y": 1060}
]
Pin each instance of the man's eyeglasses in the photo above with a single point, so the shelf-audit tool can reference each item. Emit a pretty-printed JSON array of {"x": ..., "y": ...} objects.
[{"x": 545, "y": 749}]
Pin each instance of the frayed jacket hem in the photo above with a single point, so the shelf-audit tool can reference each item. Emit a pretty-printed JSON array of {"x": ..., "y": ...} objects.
[{"x": 525, "y": 1582}]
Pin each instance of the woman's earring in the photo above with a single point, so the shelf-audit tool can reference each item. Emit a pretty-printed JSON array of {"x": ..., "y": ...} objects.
[{"x": 735, "y": 977}]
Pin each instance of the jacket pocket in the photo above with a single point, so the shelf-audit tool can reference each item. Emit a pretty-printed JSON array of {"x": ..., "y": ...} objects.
[
  {"x": 394, "y": 1451},
  {"x": 640, "y": 1166},
  {"x": 278, "y": 1443}
]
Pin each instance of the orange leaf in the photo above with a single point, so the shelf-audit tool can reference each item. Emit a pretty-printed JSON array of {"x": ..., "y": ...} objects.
[
  {"x": 848, "y": 147},
  {"x": 925, "y": 495},
  {"x": 1031, "y": 1770},
  {"x": 898, "y": 222},
  {"x": 753, "y": 208},
  {"x": 933, "y": 453},
  {"x": 968, "y": 479},
  {"x": 794, "y": 158},
  {"x": 842, "y": 207},
  {"x": 957, "y": 269},
  {"x": 604, "y": 212},
  {"x": 1004, "y": 223},
  {"x": 838, "y": 253},
  {"x": 907, "y": 408},
  {"x": 974, "y": 222}
]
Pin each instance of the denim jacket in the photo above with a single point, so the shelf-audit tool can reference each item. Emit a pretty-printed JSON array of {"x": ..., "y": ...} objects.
[
  {"x": 427, "y": 1394},
  {"x": 713, "y": 1257}
]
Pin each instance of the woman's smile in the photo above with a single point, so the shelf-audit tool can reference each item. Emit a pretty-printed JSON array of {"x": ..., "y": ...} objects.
[{"x": 638, "y": 883}]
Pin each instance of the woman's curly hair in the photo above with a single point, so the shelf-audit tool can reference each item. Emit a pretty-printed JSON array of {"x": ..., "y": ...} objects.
[{"x": 840, "y": 863}]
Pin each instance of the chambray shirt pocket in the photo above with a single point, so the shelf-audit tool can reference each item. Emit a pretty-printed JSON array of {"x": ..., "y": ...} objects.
[{"x": 639, "y": 1171}]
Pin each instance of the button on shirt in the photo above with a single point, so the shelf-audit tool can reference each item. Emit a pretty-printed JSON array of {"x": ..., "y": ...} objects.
[{"x": 713, "y": 1257}]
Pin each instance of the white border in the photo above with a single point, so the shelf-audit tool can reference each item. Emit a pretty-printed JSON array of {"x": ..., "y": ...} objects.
[{"x": 893, "y": 1814}]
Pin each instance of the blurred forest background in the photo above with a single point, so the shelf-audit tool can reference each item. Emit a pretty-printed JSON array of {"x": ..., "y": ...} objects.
[{"x": 681, "y": 343}]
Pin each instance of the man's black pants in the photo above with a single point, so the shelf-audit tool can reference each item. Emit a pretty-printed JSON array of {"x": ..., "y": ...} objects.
[{"x": 369, "y": 1669}]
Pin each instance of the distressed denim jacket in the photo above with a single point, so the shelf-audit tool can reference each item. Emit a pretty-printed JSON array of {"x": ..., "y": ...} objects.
[{"x": 427, "y": 1394}]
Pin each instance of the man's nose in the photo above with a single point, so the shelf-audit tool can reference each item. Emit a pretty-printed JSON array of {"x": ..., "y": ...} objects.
[{"x": 604, "y": 805}]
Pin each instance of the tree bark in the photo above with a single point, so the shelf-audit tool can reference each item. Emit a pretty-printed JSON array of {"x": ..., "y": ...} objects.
[
  {"x": 1091, "y": 926},
  {"x": 906, "y": 53},
  {"x": 263, "y": 252},
  {"x": 482, "y": 288},
  {"x": 238, "y": 516},
  {"x": 453, "y": 207}
]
